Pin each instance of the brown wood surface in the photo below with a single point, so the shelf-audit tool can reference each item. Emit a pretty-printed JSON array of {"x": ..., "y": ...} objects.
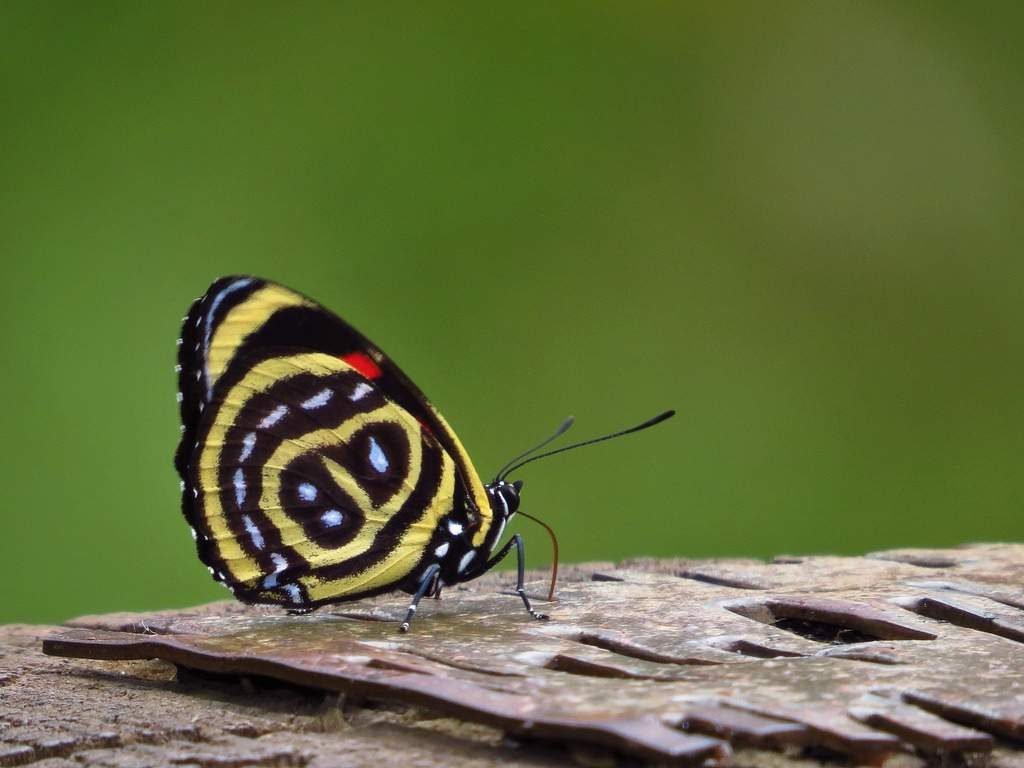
[{"x": 898, "y": 658}]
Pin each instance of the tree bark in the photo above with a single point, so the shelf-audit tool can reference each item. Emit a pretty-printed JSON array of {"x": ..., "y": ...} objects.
[{"x": 899, "y": 658}]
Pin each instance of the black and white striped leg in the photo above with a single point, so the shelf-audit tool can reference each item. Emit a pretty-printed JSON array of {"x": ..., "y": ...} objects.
[
  {"x": 427, "y": 582},
  {"x": 517, "y": 542}
]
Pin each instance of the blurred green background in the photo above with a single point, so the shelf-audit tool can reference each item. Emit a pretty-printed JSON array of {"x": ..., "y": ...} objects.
[{"x": 797, "y": 223}]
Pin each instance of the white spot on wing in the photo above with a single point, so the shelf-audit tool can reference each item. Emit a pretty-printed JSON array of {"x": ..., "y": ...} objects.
[
  {"x": 254, "y": 532},
  {"x": 293, "y": 592},
  {"x": 454, "y": 528},
  {"x": 274, "y": 416},
  {"x": 319, "y": 400},
  {"x": 361, "y": 390},
  {"x": 441, "y": 550},
  {"x": 279, "y": 565},
  {"x": 307, "y": 491},
  {"x": 332, "y": 518},
  {"x": 377, "y": 457},
  {"x": 239, "y": 481},
  {"x": 248, "y": 443}
]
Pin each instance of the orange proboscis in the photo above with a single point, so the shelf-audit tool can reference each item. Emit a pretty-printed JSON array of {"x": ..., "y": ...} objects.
[{"x": 554, "y": 547}]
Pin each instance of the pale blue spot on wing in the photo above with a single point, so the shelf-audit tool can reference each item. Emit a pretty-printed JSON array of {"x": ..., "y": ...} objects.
[
  {"x": 361, "y": 390},
  {"x": 332, "y": 518},
  {"x": 377, "y": 457},
  {"x": 239, "y": 480},
  {"x": 248, "y": 443},
  {"x": 274, "y": 416},
  {"x": 319, "y": 400},
  {"x": 279, "y": 565},
  {"x": 254, "y": 532}
]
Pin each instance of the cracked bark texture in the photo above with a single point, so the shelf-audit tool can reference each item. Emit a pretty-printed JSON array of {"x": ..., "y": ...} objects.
[{"x": 899, "y": 658}]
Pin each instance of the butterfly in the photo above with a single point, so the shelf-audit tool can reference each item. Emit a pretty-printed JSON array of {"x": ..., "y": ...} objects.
[{"x": 314, "y": 471}]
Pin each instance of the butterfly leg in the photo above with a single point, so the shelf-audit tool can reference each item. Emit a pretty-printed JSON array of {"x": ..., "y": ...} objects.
[
  {"x": 517, "y": 542},
  {"x": 427, "y": 582}
]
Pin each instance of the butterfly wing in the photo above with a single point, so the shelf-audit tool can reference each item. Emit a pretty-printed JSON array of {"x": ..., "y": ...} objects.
[
  {"x": 249, "y": 318},
  {"x": 312, "y": 469},
  {"x": 307, "y": 485}
]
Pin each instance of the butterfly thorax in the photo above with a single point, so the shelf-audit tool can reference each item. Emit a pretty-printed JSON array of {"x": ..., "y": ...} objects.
[{"x": 453, "y": 549}]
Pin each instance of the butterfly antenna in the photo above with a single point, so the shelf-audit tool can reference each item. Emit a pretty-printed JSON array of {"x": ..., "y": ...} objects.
[
  {"x": 554, "y": 547},
  {"x": 562, "y": 429},
  {"x": 649, "y": 423}
]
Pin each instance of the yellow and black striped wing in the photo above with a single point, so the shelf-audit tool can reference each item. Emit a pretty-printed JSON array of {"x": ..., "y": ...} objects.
[
  {"x": 241, "y": 318},
  {"x": 312, "y": 470},
  {"x": 309, "y": 486}
]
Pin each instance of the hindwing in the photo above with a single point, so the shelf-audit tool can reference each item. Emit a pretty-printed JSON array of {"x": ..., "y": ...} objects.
[
  {"x": 309, "y": 486},
  {"x": 240, "y": 319},
  {"x": 312, "y": 469}
]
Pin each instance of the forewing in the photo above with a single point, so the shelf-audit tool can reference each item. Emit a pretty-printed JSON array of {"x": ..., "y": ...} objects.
[{"x": 307, "y": 485}]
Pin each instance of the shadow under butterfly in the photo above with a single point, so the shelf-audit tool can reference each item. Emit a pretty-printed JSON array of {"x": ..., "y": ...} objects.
[{"x": 313, "y": 471}]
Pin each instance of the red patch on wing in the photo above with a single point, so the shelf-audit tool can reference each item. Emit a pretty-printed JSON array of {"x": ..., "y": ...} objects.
[{"x": 363, "y": 363}]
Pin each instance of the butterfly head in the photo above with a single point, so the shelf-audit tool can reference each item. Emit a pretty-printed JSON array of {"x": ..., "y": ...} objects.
[{"x": 505, "y": 497}]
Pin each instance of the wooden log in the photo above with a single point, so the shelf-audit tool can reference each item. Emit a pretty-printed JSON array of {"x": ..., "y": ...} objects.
[{"x": 897, "y": 658}]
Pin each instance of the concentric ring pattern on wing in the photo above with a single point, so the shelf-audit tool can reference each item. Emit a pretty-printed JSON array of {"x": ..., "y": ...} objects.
[
  {"x": 312, "y": 470},
  {"x": 310, "y": 486},
  {"x": 242, "y": 319}
]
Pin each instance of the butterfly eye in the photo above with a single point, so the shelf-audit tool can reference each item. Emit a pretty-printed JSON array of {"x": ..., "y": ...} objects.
[{"x": 518, "y": 485}]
